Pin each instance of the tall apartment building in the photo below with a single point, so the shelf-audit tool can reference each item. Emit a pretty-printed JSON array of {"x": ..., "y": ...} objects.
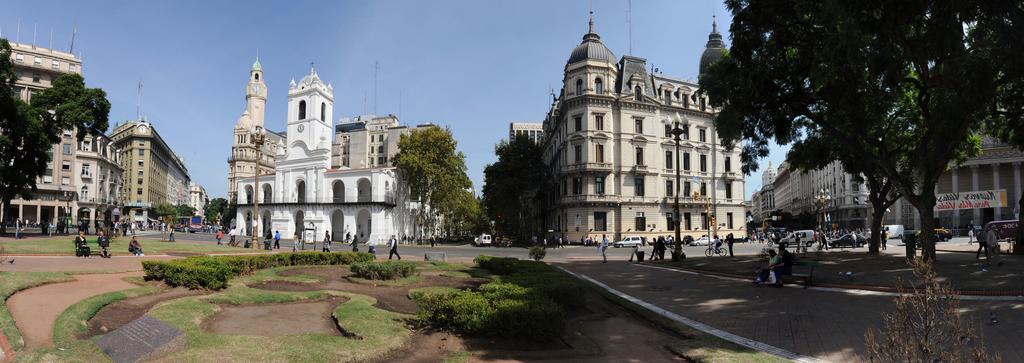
[
  {"x": 153, "y": 173},
  {"x": 243, "y": 163},
  {"x": 796, "y": 193},
  {"x": 367, "y": 141},
  {"x": 532, "y": 130},
  {"x": 83, "y": 179},
  {"x": 608, "y": 144},
  {"x": 197, "y": 198}
]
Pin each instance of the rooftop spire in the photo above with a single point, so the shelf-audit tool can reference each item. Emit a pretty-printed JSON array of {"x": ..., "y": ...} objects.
[
  {"x": 591, "y": 21},
  {"x": 312, "y": 69},
  {"x": 714, "y": 24}
]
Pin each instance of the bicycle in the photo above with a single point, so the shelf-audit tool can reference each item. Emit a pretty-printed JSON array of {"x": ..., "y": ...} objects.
[{"x": 714, "y": 250}]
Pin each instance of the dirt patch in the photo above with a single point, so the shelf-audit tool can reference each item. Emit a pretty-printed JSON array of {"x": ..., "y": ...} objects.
[
  {"x": 600, "y": 332},
  {"x": 305, "y": 317},
  {"x": 391, "y": 298},
  {"x": 118, "y": 314}
]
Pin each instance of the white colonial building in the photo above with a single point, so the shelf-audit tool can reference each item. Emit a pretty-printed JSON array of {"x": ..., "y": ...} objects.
[{"x": 306, "y": 197}]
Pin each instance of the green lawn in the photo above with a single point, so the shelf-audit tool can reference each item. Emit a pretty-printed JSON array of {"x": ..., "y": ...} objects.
[
  {"x": 12, "y": 282},
  {"x": 64, "y": 246}
]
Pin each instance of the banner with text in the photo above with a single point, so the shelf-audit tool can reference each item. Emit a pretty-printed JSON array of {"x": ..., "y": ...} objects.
[{"x": 970, "y": 200}]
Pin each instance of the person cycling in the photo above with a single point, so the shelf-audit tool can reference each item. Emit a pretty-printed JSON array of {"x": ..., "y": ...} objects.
[{"x": 718, "y": 244}]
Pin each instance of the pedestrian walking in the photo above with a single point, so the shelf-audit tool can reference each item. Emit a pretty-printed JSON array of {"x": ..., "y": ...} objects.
[
  {"x": 982, "y": 245},
  {"x": 604, "y": 248},
  {"x": 729, "y": 240},
  {"x": 993, "y": 245},
  {"x": 170, "y": 237},
  {"x": 231, "y": 236},
  {"x": 970, "y": 236},
  {"x": 371, "y": 246},
  {"x": 355, "y": 244},
  {"x": 327, "y": 241},
  {"x": 277, "y": 239},
  {"x": 393, "y": 248},
  {"x": 220, "y": 236}
]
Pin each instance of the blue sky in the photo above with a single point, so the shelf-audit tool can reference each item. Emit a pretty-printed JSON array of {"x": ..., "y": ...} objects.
[{"x": 473, "y": 65}]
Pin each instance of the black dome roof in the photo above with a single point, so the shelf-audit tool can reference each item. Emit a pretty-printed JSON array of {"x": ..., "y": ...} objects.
[
  {"x": 591, "y": 48},
  {"x": 713, "y": 51}
]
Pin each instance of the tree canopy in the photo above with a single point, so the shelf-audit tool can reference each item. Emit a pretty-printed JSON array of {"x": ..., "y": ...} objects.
[
  {"x": 29, "y": 131},
  {"x": 905, "y": 85},
  {"x": 433, "y": 170},
  {"x": 512, "y": 184},
  {"x": 214, "y": 209}
]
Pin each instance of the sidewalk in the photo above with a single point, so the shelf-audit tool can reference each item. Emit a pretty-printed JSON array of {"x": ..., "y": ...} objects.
[{"x": 829, "y": 325}]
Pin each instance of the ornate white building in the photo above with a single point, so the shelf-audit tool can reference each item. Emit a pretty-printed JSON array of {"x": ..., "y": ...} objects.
[
  {"x": 306, "y": 197},
  {"x": 242, "y": 162}
]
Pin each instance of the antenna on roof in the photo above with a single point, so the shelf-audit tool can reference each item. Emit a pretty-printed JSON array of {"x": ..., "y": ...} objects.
[{"x": 73, "y": 33}]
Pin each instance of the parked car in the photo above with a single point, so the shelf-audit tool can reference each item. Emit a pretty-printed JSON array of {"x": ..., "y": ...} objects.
[
  {"x": 483, "y": 240},
  {"x": 852, "y": 240},
  {"x": 941, "y": 234},
  {"x": 806, "y": 238},
  {"x": 629, "y": 242},
  {"x": 703, "y": 241}
]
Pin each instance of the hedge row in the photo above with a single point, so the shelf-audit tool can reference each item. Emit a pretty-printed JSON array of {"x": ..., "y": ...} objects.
[
  {"x": 528, "y": 302},
  {"x": 213, "y": 272},
  {"x": 385, "y": 270}
]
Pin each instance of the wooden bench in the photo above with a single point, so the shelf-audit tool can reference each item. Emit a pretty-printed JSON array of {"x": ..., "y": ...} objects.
[{"x": 804, "y": 270}]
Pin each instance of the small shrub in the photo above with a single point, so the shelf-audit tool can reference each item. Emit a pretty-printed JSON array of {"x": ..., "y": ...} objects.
[
  {"x": 385, "y": 270},
  {"x": 464, "y": 312},
  {"x": 537, "y": 253},
  {"x": 214, "y": 272}
]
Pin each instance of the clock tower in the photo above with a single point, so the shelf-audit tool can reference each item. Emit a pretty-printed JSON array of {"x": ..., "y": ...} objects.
[{"x": 256, "y": 94}]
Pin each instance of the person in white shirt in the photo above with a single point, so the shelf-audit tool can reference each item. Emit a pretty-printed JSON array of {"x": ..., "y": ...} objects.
[
  {"x": 993, "y": 246},
  {"x": 604, "y": 248},
  {"x": 393, "y": 248}
]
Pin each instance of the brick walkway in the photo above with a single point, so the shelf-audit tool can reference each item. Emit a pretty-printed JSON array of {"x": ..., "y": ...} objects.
[{"x": 823, "y": 324}]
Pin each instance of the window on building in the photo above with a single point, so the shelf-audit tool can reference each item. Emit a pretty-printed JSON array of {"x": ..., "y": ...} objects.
[
  {"x": 668, "y": 97},
  {"x": 599, "y": 122},
  {"x": 638, "y": 126},
  {"x": 639, "y": 156},
  {"x": 686, "y": 161},
  {"x": 669, "y": 190},
  {"x": 19, "y": 57},
  {"x": 380, "y": 149},
  {"x": 671, "y": 220},
  {"x": 599, "y": 86},
  {"x": 138, "y": 181},
  {"x": 47, "y": 179},
  {"x": 86, "y": 169},
  {"x": 638, "y": 93},
  {"x": 728, "y": 164},
  {"x": 704, "y": 221},
  {"x": 687, "y": 222},
  {"x": 55, "y": 65},
  {"x": 577, "y": 186},
  {"x": 728, "y": 220},
  {"x": 703, "y": 188},
  {"x": 65, "y": 181},
  {"x": 578, "y": 151},
  {"x": 668, "y": 130},
  {"x": 65, "y": 165},
  {"x": 323, "y": 111},
  {"x": 142, "y": 152},
  {"x": 703, "y": 103},
  {"x": 640, "y": 222},
  {"x": 72, "y": 68},
  {"x": 39, "y": 60},
  {"x": 36, "y": 78},
  {"x": 686, "y": 189},
  {"x": 600, "y": 221},
  {"x": 703, "y": 163},
  {"x": 703, "y": 137},
  {"x": 599, "y": 152},
  {"x": 728, "y": 190},
  {"x": 67, "y": 149},
  {"x": 668, "y": 160},
  {"x": 302, "y": 110},
  {"x": 579, "y": 87},
  {"x": 579, "y": 123},
  {"x": 638, "y": 186},
  {"x": 138, "y": 191},
  {"x": 599, "y": 185}
]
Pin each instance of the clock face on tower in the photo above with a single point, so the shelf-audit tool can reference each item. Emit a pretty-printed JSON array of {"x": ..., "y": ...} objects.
[
  {"x": 301, "y": 127},
  {"x": 255, "y": 88}
]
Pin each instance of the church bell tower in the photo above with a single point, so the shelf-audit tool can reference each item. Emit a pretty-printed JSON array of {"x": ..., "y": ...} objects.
[{"x": 256, "y": 94}]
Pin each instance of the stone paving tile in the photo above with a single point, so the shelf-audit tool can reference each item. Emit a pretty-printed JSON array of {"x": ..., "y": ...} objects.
[{"x": 823, "y": 324}]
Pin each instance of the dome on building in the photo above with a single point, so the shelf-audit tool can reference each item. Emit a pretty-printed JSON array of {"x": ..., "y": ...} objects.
[
  {"x": 311, "y": 79},
  {"x": 713, "y": 51},
  {"x": 244, "y": 122},
  {"x": 591, "y": 48}
]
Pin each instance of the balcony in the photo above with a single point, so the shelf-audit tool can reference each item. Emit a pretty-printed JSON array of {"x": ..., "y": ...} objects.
[
  {"x": 639, "y": 169},
  {"x": 86, "y": 175},
  {"x": 587, "y": 167},
  {"x": 588, "y": 198}
]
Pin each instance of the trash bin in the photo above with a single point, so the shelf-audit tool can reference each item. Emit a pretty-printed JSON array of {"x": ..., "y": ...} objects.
[
  {"x": 639, "y": 256},
  {"x": 910, "y": 240}
]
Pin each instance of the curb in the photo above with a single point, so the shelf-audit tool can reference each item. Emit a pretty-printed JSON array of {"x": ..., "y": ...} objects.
[
  {"x": 733, "y": 338},
  {"x": 967, "y": 295}
]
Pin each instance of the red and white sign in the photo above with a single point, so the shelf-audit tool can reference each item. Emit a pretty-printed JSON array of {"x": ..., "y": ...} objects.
[{"x": 970, "y": 200}]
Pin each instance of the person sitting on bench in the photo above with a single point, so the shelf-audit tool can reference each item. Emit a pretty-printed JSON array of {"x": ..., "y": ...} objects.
[
  {"x": 786, "y": 267},
  {"x": 767, "y": 274},
  {"x": 134, "y": 247},
  {"x": 81, "y": 245}
]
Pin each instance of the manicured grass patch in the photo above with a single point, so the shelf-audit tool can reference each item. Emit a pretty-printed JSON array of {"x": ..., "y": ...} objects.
[
  {"x": 528, "y": 301},
  {"x": 404, "y": 281},
  {"x": 417, "y": 294},
  {"x": 384, "y": 270},
  {"x": 213, "y": 272},
  {"x": 12, "y": 282},
  {"x": 273, "y": 274},
  {"x": 63, "y": 245}
]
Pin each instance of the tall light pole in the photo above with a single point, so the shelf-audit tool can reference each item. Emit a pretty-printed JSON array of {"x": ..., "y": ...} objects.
[
  {"x": 677, "y": 255},
  {"x": 257, "y": 140},
  {"x": 822, "y": 198}
]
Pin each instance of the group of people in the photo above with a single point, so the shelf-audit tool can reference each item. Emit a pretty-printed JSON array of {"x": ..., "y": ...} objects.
[
  {"x": 988, "y": 241},
  {"x": 779, "y": 264},
  {"x": 82, "y": 248}
]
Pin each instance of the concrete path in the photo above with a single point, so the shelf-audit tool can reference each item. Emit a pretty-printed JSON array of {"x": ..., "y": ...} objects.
[
  {"x": 35, "y": 310},
  {"x": 828, "y": 325}
]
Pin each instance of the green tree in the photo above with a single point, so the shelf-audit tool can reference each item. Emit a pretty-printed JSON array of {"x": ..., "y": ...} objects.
[
  {"x": 214, "y": 209},
  {"x": 167, "y": 213},
  {"x": 512, "y": 185},
  {"x": 433, "y": 170},
  {"x": 911, "y": 73},
  {"x": 184, "y": 210},
  {"x": 28, "y": 132}
]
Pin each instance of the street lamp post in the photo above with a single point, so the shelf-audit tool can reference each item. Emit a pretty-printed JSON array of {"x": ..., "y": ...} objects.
[
  {"x": 257, "y": 140},
  {"x": 678, "y": 253},
  {"x": 821, "y": 199}
]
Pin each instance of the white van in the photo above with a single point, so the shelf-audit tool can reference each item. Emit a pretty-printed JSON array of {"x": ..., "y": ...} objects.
[
  {"x": 894, "y": 230},
  {"x": 806, "y": 238},
  {"x": 483, "y": 240}
]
